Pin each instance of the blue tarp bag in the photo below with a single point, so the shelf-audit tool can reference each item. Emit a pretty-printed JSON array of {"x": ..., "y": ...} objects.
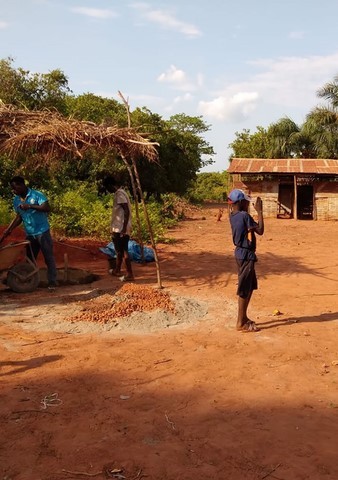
[{"x": 134, "y": 251}]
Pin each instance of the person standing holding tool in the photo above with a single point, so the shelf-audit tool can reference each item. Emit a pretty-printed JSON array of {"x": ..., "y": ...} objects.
[
  {"x": 121, "y": 224},
  {"x": 32, "y": 208}
]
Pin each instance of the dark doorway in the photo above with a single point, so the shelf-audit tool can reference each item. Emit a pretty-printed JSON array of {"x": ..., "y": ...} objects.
[
  {"x": 305, "y": 202},
  {"x": 285, "y": 201}
]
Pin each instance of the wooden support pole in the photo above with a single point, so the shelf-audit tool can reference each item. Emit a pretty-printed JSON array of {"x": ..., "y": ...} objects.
[
  {"x": 295, "y": 212},
  {"x": 139, "y": 188}
]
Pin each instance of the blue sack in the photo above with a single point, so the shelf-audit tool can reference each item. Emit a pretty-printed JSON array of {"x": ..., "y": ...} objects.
[{"x": 134, "y": 251}]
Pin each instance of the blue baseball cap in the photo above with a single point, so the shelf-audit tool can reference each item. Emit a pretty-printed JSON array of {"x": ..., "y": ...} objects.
[{"x": 237, "y": 195}]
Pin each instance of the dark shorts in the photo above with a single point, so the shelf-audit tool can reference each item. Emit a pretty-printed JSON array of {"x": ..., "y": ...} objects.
[
  {"x": 247, "y": 280},
  {"x": 120, "y": 243}
]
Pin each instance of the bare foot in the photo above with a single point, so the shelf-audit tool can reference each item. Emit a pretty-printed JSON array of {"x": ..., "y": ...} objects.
[{"x": 249, "y": 326}]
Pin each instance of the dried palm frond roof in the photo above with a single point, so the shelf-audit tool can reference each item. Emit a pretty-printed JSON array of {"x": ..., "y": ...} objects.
[{"x": 52, "y": 135}]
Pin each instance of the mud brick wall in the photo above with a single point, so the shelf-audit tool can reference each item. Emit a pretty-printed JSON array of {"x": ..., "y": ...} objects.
[
  {"x": 326, "y": 201},
  {"x": 268, "y": 191},
  {"x": 325, "y": 197}
]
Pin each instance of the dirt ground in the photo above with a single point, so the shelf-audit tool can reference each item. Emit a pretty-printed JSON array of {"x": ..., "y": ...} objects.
[{"x": 179, "y": 400}]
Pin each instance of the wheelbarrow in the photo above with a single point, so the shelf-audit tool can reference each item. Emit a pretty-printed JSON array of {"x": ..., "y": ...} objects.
[{"x": 22, "y": 272}]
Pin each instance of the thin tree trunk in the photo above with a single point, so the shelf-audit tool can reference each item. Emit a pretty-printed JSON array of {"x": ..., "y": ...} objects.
[
  {"x": 150, "y": 228},
  {"x": 139, "y": 187},
  {"x": 139, "y": 230}
]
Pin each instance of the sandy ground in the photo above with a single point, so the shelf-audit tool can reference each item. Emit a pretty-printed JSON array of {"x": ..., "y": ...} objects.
[{"x": 182, "y": 401}]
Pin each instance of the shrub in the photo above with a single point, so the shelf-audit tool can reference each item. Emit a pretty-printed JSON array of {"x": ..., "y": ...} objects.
[
  {"x": 6, "y": 212},
  {"x": 80, "y": 212}
]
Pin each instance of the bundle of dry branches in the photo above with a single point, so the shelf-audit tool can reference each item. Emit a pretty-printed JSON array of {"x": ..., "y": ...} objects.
[{"x": 51, "y": 135}]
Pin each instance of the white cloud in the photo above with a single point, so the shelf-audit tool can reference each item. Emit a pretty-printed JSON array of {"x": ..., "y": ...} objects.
[
  {"x": 166, "y": 20},
  {"x": 282, "y": 85},
  {"x": 296, "y": 35},
  {"x": 3, "y": 25},
  {"x": 293, "y": 81},
  {"x": 179, "y": 80},
  {"x": 187, "y": 97},
  {"x": 173, "y": 75},
  {"x": 94, "y": 12},
  {"x": 235, "y": 107}
]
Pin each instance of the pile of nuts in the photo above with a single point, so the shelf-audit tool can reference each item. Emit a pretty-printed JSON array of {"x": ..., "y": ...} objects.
[{"x": 130, "y": 298}]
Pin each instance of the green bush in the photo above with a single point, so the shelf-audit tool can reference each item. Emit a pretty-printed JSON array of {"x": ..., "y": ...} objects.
[
  {"x": 212, "y": 186},
  {"x": 158, "y": 223},
  {"x": 80, "y": 212},
  {"x": 6, "y": 212}
]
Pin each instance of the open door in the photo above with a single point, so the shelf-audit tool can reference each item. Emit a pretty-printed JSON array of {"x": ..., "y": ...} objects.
[
  {"x": 305, "y": 202},
  {"x": 285, "y": 201}
]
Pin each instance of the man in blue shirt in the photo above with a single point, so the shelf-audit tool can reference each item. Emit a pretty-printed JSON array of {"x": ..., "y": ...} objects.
[
  {"x": 32, "y": 207},
  {"x": 243, "y": 229}
]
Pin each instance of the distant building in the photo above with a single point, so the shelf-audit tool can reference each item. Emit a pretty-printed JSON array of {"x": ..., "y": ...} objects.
[{"x": 305, "y": 189}]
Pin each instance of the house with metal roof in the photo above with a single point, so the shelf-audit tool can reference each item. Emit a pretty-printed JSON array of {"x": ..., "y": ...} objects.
[{"x": 299, "y": 188}]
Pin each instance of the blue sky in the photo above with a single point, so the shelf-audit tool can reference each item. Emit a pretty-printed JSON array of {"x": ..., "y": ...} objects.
[{"x": 238, "y": 64}]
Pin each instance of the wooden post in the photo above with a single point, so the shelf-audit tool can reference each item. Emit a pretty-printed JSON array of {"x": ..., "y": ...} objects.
[
  {"x": 139, "y": 230},
  {"x": 295, "y": 213},
  {"x": 150, "y": 228},
  {"x": 139, "y": 188},
  {"x": 65, "y": 268}
]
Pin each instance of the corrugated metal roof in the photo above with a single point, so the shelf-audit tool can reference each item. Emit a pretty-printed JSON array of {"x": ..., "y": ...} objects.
[{"x": 284, "y": 165}]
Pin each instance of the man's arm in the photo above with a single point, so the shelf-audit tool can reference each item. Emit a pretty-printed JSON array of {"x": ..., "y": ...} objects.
[
  {"x": 17, "y": 220},
  {"x": 259, "y": 209},
  {"x": 125, "y": 217},
  {"x": 44, "y": 207}
]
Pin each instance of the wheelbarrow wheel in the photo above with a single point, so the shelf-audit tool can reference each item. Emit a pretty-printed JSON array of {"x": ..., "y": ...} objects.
[{"x": 21, "y": 278}]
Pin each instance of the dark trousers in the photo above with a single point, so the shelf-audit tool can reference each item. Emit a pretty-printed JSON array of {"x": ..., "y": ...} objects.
[
  {"x": 247, "y": 280},
  {"x": 120, "y": 243},
  {"x": 44, "y": 243}
]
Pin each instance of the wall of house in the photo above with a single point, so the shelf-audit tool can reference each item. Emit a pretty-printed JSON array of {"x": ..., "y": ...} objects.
[
  {"x": 268, "y": 191},
  {"x": 325, "y": 198},
  {"x": 326, "y": 201}
]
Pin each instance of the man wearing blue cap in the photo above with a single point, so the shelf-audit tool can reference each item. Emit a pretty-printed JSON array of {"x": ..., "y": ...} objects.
[{"x": 243, "y": 228}]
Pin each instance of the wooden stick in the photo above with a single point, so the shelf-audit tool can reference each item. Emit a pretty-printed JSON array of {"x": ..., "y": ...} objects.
[
  {"x": 35, "y": 411},
  {"x": 270, "y": 473},
  {"x": 71, "y": 246},
  {"x": 83, "y": 473}
]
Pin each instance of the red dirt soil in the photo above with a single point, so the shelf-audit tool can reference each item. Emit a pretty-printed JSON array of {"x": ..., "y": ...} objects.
[{"x": 192, "y": 402}]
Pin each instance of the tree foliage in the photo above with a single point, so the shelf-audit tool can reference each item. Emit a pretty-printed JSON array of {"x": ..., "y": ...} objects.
[
  {"x": 212, "y": 186},
  {"x": 183, "y": 149},
  {"x": 22, "y": 88},
  {"x": 251, "y": 145}
]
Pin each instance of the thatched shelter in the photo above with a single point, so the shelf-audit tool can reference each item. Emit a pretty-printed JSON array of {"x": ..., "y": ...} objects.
[{"x": 49, "y": 136}]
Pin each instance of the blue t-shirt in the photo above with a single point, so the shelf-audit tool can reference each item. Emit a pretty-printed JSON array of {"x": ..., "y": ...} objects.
[
  {"x": 241, "y": 224},
  {"x": 34, "y": 222}
]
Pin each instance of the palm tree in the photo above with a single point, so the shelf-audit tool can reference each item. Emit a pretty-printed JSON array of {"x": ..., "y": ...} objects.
[
  {"x": 330, "y": 92},
  {"x": 287, "y": 140},
  {"x": 321, "y": 126}
]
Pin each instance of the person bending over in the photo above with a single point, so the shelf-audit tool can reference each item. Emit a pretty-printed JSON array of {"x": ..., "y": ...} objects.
[{"x": 32, "y": 207}]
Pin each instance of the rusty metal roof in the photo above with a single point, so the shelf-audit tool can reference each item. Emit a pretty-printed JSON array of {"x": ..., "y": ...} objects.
[{"x": 284, "y": 165}]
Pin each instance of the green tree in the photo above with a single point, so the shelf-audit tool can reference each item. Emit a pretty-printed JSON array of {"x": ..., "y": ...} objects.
[
  {"x": 22, "y": 88},
  {"x": 321, "y": 126},
  {"x": 210, "y": 186},
  {"x": 93, "y": 108},
  {"x": 288, "y": 140},
  {"x": 182, "y": 152},
  {"x": 330, "y": 92},
  {"x": 251, "y": 145}
]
